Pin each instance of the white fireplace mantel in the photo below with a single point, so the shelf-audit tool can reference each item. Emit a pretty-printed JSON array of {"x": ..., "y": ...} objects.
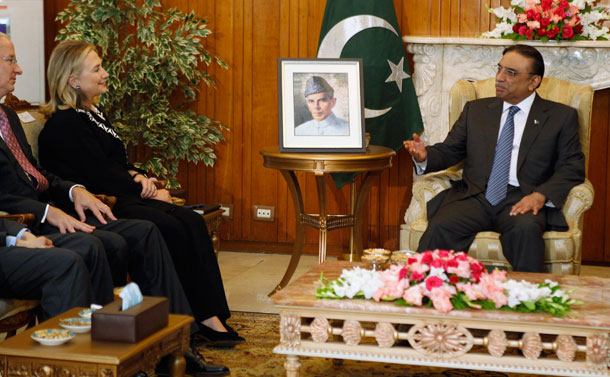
[{"x": 441, "y": 62}]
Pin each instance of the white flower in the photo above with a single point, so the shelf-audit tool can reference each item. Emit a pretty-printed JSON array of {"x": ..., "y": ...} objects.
[
  {"x": 593, "y": 17},
  {"x": 524, "y": 291},
  {"x": 551, "y": 283},
  {"x": 438, "y": 272},
  {"x": 579, "y": 3},
  {"x": 503, "y": 28},
  {"x": 593, "y": 33},
  {"x": 357, "y": 280},
  {"x": 505, "y": 14},
  {"x": 518, "y": 3}
]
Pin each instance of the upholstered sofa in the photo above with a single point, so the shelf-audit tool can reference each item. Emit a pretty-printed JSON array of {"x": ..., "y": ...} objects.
[{"x": 563, "y": 251}]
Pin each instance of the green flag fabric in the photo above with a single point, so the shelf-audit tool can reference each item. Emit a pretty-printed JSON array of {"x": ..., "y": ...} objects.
[{"x": 368, "y": 29}]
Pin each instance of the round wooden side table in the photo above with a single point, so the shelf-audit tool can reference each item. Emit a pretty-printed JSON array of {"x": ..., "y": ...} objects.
[{"x": 372, "y": 162}]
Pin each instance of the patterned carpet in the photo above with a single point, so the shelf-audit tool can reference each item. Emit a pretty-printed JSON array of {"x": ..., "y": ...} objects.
[{"x": 255, "y": 358}]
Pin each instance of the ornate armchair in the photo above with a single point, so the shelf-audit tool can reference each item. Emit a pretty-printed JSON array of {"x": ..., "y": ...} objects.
[{"x": 562, "y": 249}]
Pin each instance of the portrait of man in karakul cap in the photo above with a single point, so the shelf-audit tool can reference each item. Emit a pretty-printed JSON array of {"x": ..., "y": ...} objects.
[{"x": 319, "y": 96}]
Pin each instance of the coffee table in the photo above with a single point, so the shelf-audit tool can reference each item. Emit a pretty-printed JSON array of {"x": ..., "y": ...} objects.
[
  {"x": 506, "y": 341},
  {"x": 21, "y": 356}
]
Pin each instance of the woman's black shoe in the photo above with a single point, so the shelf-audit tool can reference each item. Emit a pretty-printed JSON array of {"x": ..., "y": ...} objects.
[{"x": 207, "y": 336}]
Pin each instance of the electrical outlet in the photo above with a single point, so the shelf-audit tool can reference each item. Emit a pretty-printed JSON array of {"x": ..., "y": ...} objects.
[
  {"x": 227, "y": 210},
  {"x": 263, "y": 213}
]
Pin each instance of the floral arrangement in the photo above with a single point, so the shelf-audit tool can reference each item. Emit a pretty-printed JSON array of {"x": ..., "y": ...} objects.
[
  {"x": 448, "y": 280},
  {"x": 550, "y": 20}
]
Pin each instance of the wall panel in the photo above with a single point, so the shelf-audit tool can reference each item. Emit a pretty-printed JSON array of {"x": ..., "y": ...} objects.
[{"x": 250, "y": 35}]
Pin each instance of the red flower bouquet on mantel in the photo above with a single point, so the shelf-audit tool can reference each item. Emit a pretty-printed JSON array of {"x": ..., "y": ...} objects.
[
  {"x": 544, "y": 20},
  {"x": 447, "y": 280}
]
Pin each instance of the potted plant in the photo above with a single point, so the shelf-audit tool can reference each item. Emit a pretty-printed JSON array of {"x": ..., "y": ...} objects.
[{"x": 154, "y": 57}]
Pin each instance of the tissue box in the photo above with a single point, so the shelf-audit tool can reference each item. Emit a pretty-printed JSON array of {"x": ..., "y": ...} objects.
[{"x": 110, "y": 323}]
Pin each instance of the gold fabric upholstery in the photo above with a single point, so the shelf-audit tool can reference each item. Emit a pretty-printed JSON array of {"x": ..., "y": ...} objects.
[{"x": 563, "y": 251}]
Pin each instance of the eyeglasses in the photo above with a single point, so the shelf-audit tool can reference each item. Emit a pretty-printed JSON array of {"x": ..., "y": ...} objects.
[
  {"x": 509, "y": 72},
  {"x": 11, "y": 60}
]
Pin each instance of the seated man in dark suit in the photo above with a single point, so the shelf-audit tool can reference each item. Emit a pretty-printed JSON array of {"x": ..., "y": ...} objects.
[
  {"x": 33, "y": 268},
  {"x": 133, "y": 246},
  {"x": 521, "y": 156}
]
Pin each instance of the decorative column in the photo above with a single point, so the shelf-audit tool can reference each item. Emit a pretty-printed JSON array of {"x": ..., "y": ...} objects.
[{"x": 441, "y": 62}]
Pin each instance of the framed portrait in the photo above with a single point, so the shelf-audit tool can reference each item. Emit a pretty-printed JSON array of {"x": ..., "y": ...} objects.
[{"x": 321, "y": 105}]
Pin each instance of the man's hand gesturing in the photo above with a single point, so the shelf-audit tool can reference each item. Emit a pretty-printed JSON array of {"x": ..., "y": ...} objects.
[{"x": 416, "y": 148}]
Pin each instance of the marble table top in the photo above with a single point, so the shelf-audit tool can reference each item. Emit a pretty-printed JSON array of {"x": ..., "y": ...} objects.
[{"x": 593, "y": 291}]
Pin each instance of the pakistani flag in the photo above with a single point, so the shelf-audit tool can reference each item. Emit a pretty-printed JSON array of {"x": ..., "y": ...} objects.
[{"x": 368, "y": 29}]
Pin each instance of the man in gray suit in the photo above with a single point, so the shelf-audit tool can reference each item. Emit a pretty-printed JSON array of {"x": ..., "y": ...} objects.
[
  {"x": 521, "y": 157},
  {"x": 62, "y": 271}
]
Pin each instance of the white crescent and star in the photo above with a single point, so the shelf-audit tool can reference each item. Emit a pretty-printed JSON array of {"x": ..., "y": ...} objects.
[{"x": 337, "y": 37}]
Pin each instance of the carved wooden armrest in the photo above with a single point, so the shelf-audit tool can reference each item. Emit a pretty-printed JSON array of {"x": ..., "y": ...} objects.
[
  {"x": 430, "y": 185},
  {"x": 578, "y": 201},
  {"x": 108, "y": 200},
  {"x": 24, "y": 218}
]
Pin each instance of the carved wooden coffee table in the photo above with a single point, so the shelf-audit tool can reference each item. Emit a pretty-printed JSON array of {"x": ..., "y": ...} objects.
[
  {"x": 21, "y": 356},
  {"x": 470, "y": 339}
]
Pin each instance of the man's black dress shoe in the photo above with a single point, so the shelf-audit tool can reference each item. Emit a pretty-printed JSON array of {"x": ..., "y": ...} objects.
[
  {"x": 195, "y": 366},
  {"x": 207, "y": 336}
]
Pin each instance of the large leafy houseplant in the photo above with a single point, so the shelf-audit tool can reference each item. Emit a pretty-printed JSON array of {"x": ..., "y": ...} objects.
[{"x": 154, "y": 57}]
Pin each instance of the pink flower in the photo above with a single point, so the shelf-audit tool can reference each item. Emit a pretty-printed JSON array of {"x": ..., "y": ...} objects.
[
  {"x": 552, "y": 32},
  {"x": 471, "y": 291},
  {"x": 417, "y": 276},
  {"x": 443, "y": 253},
  {"x": 403, "y": 273},
  {"x": 491, "y": 288},
  {"x": 568, "y": 32},
  {"x": 461, "y": 256},
  {"x": 560, "y": 13},
  {"x": 441, "y": 299},
  {"x": 419, "y": 267},
  {"x": 522, "y": 18},
  {"x": 433, "y": 282},
  {"x": 426, "y": 257},
  {"x": 533, "y": 25},
  {"x": 414, "y": 295},
  {"x": 393, "y": 286},
  {"x": 437, "y": 263},
  {"x": 462, "y": 269},
  {"x": 546, "y": 4}
]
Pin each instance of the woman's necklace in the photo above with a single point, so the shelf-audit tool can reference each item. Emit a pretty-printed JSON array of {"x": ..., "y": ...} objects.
[{"x": 98, "y": 123}]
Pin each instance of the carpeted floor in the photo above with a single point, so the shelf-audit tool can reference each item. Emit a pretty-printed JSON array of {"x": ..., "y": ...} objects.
[{"x": 255, "y": 357}]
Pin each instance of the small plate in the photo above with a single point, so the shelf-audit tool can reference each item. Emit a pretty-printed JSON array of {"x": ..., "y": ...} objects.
[
  {"x": 86, "y": 313},
  {"x": 76, "y": 324},
  {"x": 52, "y": 337}
]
